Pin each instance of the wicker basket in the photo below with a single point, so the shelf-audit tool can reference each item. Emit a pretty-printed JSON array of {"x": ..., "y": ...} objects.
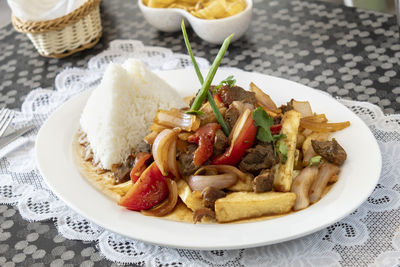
[{"x": 61, "y": 37}]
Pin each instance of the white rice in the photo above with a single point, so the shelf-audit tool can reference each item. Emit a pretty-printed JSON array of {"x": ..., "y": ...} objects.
[{"x": 121, "y": 109}]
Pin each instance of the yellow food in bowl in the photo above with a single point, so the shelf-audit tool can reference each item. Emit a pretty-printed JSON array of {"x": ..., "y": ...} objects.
[{"x": 204, "y": 9}]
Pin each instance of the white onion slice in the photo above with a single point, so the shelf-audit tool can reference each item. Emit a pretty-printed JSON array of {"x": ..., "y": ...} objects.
[
  {"x": 325, "y": 173},
  {"x": 172, "y": 164},
  {"x": 177, "y": 118},
  {"x": 219, "y": 181},
  {"x": 237, "y": 128},
  {"x": 226, "y": 169},
  {"x": 303, "y": 107},
  {"x": 161, "y": 151},
  {"x": 262, "y": 98},
  {"x": 301, "y": 185}
]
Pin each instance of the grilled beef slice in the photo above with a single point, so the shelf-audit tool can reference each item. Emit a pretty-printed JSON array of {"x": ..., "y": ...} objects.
[
  {"x": 186, "y": 160},
  {"x": 263, "y": 182},
  {"x": 210, "y": 195},
  {"x": 330, "y": 150},
  {"x": 260, "y": 157},
  {"x": 231, "y": 116},
  {"x": 236, "y": 93},
  {"x": 220, "y": 142}
]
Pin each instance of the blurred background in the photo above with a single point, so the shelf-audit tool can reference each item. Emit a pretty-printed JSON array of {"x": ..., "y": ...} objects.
[{"x": 386, "y": 6}]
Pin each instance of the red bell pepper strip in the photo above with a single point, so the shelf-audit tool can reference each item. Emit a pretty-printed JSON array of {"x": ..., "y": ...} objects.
[
  {"x": 218, "y": 100},
  {"x": 204, "y": 137},
  {"x": 140, "y": 165},
  {"x": 275, "y": 129},
  {"x": 244, "y": 141},
  {"x": 149, "y": 190}
]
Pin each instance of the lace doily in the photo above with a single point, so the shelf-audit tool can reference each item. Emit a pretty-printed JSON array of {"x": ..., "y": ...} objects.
[{"x": 368, "y": 236}]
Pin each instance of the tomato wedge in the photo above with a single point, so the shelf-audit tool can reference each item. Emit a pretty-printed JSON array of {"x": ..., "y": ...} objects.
[
  {"x": 204, "y": 137},
  {"x": 149, "y": 190},
  {"x": 140, "y": 165},
  {"x": 275, "y": 129},
  {"x": 245, "y": 136}
]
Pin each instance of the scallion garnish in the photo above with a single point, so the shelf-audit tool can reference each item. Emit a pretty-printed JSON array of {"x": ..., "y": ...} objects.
[{"x": 204, "y": 91}]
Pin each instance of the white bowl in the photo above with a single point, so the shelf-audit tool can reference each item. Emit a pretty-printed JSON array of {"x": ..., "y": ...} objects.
[{"x": 213, "y": 31}]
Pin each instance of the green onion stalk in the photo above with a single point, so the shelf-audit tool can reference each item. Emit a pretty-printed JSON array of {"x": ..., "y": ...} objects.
[{"x": 205, "y": 85}]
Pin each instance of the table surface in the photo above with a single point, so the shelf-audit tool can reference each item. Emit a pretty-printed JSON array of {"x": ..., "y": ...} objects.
[{"x": 347, "y": 52}]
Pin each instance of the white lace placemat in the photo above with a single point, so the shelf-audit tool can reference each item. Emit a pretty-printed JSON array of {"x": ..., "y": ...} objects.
[{"x": 368, "y": 236}]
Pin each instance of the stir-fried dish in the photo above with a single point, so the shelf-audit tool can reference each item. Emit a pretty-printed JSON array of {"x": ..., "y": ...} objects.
[{"x": 231, "y": 154}]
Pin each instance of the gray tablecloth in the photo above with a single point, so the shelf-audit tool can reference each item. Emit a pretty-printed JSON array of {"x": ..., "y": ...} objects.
[{"x": 347, "y": 52}]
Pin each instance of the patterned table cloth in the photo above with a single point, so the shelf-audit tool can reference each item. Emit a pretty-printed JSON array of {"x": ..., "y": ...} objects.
[{"x": 350, "y": 53}]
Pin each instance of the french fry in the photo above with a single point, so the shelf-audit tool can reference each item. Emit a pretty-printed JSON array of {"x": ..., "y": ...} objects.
[
  {"x": 290, "y": 127},
  {"x": 241, "y": 205},
  {"x": 246, "y": 185},
  {"x": 192, "y": 199}
]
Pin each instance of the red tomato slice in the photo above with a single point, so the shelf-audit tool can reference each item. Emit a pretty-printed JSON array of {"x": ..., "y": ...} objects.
[
  {"x": 244, "y": 141},
  {"x": 149, "y": 190},
  {"x": 275, "y": 129},
  {"x": 204, "y": 137},
  {"x": 140, "y": 165}
]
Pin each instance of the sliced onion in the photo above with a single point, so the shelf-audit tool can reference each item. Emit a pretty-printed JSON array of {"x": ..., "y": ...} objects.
[
  {"x": 303, "y": 107},
  {"x": 149, "y": 139},
  {"x": 155, "y": 127},
  {"x": 325, "y": 173},
  {"x": 324, "y": 127},
  {"x": 177, "y": 118},
  {"x": 262, "y": 98},
  {"x": 172, "y": 164},
  {"x": 306, "y": 132},
  {"x": 168, "y": 204},
  {"x": 241, "y": 106},
  {"x": 226, "y": 169},
  {"x": 219, "y": 181},
  {"x": 308, "y": 155},
  {"x": 160, "y": 149},
  {"x": 301, "y": 185},
  {"x": 316, "y": 118},
  {"x": 237, "y": 128}
]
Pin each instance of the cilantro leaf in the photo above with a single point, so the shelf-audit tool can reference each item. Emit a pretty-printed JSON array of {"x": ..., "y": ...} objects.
[
  {"x": 315, "y": 160},
  {"x": 264, "y": 121},
  {"x": 230, "y": 81},
  {"x": 276, "y": 137}
]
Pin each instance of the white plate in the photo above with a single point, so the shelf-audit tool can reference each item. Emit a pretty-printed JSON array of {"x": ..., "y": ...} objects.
[{"x": 358, "y": 176}]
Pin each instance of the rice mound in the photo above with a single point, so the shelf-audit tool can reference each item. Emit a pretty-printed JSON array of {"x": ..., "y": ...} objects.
[{"x": 120, "y": 111}]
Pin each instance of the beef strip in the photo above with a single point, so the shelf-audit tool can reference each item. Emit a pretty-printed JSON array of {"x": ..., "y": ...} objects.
[
  {"x": 260, "y": 157},
  {"x": 236, "y": 93},
  {"x": 231, "y": 116},
  {"x": 263, "y": 182},
  {"x": 121, "y": 171},
  {"x": 330, "y": 150},
  {"x": 220, "y": 142},
  {"x": 200, "y": 213},
  {"x": 210, "y": 195},
  {"x": 186, "y": 160},
  {"x": 287, "y": 107}
]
